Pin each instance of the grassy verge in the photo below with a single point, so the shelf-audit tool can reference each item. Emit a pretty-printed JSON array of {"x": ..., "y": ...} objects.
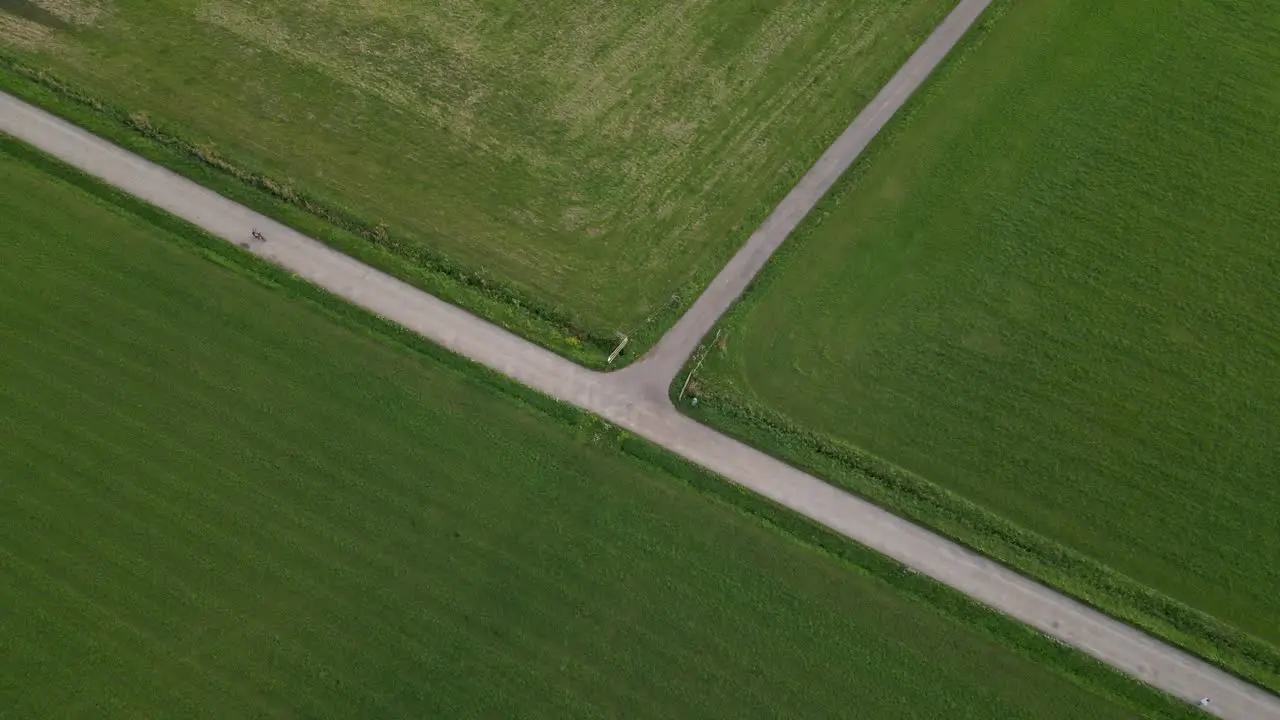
[
  {"x": 1036, "y": 317},
  {"x": 259, "y": 547}
]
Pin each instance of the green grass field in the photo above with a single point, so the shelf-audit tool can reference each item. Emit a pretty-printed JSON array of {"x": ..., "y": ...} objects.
[
  {"x": 225, "y": 494},
  {"x": 590, "y": 159},
  {"x": 1053, "y": 292}
]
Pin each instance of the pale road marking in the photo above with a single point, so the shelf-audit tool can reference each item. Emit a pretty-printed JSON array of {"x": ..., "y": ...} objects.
[{"x": 624, "y": 400}]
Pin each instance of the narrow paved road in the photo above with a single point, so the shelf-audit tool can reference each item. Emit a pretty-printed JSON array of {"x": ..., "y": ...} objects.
[
  {"x": 654, "y": 373},
  {"x": 636, "y": 399}
]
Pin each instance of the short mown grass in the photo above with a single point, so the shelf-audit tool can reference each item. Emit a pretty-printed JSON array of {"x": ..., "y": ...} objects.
[
  {"x": 225, "y": 493},
  {"x": 569, "y": 169},
  {"x": 1042, "y": 316}
]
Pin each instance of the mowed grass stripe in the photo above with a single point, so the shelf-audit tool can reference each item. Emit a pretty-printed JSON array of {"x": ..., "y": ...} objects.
[
  {"x": 303, "y": 569},
  {"x": 115, "y": 625},
  {"x": 221, "y": 500},
  {"x": 277, "y": 503},
  {"x": 36, "y": 671},
  {"x": 165, "y": 536},
  {"x": 337, "y": 543},
  {"x": 1041, "y": 316},
  {"x": 277, "y": 539}
]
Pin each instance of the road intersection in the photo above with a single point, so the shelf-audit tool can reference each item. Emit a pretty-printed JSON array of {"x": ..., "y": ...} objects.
[{"x": 636, "y": 398}]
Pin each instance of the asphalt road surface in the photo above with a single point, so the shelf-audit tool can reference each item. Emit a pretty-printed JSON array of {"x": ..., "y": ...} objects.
[
  {"x": 636, "y": 398},
  {"x": 654, "y": 373}
]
